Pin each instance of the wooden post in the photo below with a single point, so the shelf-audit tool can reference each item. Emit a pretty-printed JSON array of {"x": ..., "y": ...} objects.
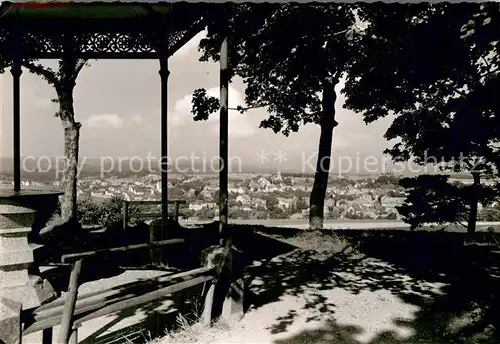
[
  {"x": 164, "y": 73},
  {"x": 16, "y": 72},
  {"x": 125, "y": 214},
  {"x": 176, "y": 214},
  {"x": 223, "y": 143},
  {"x": 155, "y": 233},
  {"x": 47, "y": 336},
  {"x": 225, "y": 297},
  {"x": 73, "y": 339},
  {"x": 69, "y": 306},
  {"x": 209, "y": 304},
  {"x": 232, "y": 275}
]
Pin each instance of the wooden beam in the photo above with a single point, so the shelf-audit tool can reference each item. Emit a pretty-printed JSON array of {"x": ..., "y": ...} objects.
[
  {"x": 146, "y": 215},
  {"x": 164, "y": 73},
  {"x": 16, "y": 72},
  {"x": 84, "y": 300},
  {"x": 208, "y": 306},
  {"x": 75, "y": 256},
  {"x": 47, "y": 335},
  {"x": 111, "y": 305},
  {"x": 154, "y": 295},
  {"x": 66, "y": 329},
  {"x": 124, "y": 215},
  {"x": 223, "y": 141}
]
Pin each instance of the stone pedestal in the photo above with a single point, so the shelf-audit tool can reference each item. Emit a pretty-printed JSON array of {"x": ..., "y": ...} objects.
[{"x": 19, "y": 290}]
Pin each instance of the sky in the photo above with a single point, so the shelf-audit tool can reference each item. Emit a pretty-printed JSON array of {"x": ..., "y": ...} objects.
[{"x": 118, "y": 103}]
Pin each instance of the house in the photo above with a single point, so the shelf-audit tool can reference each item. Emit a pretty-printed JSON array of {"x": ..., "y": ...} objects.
[
  {"x": 300, "y": 187},
  {"x": 253, "y": 186},
  {"x": 271, "y": 188},
  {"x": 206, "y": 194},
  {"x": 355, "y": 209},
  {"x": 277, "y": 177},
  {"x": 196, "y": 206},
  {"x": 244, "y": 199},
  {"x": 263, "y": 182},
  {"x": 304, "y": 199},
  {"x": 158, "y": 185},
  {"x": 329, "y": 205},
  {"x": 209, "y": 205},
  {"x": 141, "y": 190},
  {"x": 392, "y": 201},
  {"x": 363, "y": 202},
  {"x": 285, "y": 203},
  {"x": 128, "y": 196},
  {"x": 370, "y": 214},
  {"x": 259, "y": 202},
  {"x": 238, "y": 190}
]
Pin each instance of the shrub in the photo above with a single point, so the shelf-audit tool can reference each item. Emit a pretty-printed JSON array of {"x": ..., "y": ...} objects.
[{"x": 107, "y": 213}]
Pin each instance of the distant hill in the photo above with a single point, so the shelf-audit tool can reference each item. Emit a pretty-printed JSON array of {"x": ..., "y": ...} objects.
[{"x": 45, "y": 170}]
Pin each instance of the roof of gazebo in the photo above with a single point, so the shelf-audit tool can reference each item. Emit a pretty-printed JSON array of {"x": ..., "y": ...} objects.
[{"x": 100, "y": 29}]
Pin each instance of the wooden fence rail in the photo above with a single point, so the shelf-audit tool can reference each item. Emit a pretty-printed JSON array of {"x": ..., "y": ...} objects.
[
  {"x": 126, "y": 216},
  {"x": 90, "y": 306},
  {"x": 75, "y": 310},
  {"x": 75, "y": 256}
]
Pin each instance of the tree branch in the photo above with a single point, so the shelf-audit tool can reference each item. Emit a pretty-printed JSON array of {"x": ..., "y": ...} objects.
[
  {"x": 80, "y": 64},
  {"x": 47, "y": 73},
  {"x": 460, "y": 223},
  {"x": 243, "y": 109}
]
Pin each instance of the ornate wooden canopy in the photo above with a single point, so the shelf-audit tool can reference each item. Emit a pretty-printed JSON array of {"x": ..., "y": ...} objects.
[{"x": 99, "y": 30}]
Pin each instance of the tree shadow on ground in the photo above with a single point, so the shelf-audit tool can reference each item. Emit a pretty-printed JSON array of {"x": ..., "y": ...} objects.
[
  {"x": 452, "y": 287},
  {"x": 180, "y": 257},
  {"x": 156, "y": 320}
]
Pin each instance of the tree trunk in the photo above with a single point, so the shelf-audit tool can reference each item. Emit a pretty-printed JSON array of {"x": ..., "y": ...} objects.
[
  {"x": 471, "y": 223},
  {"x": 71, "y": 147},
  {"x": 328, "y": 123}
]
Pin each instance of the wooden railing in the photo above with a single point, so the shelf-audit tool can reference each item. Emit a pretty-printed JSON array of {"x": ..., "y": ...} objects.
[
  {"x": 126, "y": 216},
  {"x": 73, "y": 310}
]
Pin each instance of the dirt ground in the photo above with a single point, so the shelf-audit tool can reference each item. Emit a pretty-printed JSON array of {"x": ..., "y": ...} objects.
[
  {"x": 340, "y": 286},
  {"x": 367, "y": 288}
]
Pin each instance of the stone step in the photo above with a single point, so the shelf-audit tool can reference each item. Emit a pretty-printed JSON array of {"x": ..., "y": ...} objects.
[
  {"x": 18, "y": 210},
  {"x": 12, "y": 258},
  {"x": 15, "y": 220},
  {"x": 15, "y": 251},
  {"x": 8, "y": 232}
]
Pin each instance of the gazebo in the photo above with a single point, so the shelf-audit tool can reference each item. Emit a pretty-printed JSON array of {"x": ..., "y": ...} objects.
[{"x": 92, "y": 30}]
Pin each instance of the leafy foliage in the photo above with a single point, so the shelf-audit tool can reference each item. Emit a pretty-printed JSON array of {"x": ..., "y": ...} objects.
[
  {"x": 300, "y": 204},
  {"x": 203, "y": 105},
  {"x": 283, "y": 73},
  {"x": 107, "y": 213},
  {"x": 293, "y": 75},
  {"x": 440, "y": 85},
  {"x": 432, "y": 199},
  {"x": 418, "y": 67},
  {"x": 271, "y": 203}
]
